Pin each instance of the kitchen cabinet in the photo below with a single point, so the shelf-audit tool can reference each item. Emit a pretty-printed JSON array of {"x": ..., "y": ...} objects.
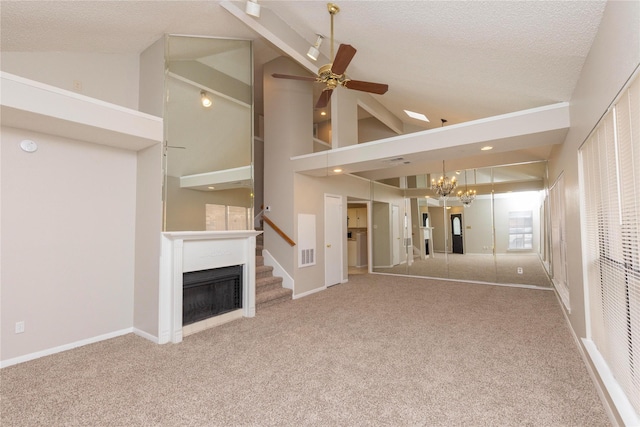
[{"x": 357, "y": 218}]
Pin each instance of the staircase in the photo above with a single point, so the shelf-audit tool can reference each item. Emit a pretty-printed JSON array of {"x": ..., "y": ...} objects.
[{"x": 269, "y": 290}]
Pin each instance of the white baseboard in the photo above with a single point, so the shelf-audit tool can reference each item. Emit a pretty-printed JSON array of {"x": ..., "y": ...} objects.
[
  {"x": 65, "y": 347},
  {"x": 585, "y": 359},
  {"x": 146, "y": 335},
  {"x": 619, "y": 398},
  {"x": 306, "y": 294},
  {"x": 287, "y": 280}
]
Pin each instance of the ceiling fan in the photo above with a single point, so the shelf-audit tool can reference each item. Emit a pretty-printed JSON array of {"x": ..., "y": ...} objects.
[{"x": 333, "y": 74}]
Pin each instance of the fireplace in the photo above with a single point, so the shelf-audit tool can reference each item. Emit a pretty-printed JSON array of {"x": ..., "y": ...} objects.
[
  {"x": 209, "y": 293},
  {"x": 185, "y": 252}
]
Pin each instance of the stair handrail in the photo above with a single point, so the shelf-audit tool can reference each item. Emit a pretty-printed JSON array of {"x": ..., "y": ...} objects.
[
  {"x": 277, "y": 230},
  {"x": 256, "y": 219}
]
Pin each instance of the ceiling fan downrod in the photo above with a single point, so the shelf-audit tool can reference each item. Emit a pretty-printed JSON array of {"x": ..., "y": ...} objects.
[{"x": 333, "y": 9}]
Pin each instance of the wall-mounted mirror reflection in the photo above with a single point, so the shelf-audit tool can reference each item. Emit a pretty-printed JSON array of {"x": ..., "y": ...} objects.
[
  {"x": 208, "y": 129},
  {"x": 496, "y": 236}
]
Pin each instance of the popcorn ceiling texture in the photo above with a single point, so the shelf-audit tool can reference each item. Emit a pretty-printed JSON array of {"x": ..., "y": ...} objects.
[{"x": 462, "y": 60}]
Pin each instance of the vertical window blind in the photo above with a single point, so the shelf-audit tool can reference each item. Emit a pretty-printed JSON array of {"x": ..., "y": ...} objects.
[
  {"x": 610, "y": 164},
  {"x": 558, "y": 241}
]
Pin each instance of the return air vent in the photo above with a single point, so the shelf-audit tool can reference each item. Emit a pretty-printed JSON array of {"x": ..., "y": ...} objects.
[
  {"x": 307, "y": 257},
  {"x": 396, "y": 161},
  {"x": 306, "y": 240}
]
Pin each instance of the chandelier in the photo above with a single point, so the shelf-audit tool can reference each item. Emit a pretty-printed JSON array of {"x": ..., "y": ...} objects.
[
  {"x": 444, "y": 186},
  {"x": 467, "y": 196}
]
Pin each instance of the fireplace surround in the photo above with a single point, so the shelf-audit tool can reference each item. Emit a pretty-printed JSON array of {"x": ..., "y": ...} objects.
[{"x": 190, "y": 251}]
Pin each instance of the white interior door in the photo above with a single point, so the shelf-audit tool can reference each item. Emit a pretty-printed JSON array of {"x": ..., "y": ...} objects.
[
  {"x": 333, "y": 238},
  {"x": 395, "y": 234}
]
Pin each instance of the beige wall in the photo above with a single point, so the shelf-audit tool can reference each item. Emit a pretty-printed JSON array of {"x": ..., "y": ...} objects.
[
  {"x": 68, "y": 238},
  {"x": 109, "y": 77},
  {"x": 309, "y": 198},
  {"x": 614, "y": 55},
  {"x": 288, "y": 131},
  {"x": 147, "y": 250},
  {"x": 372, "y": 129}
]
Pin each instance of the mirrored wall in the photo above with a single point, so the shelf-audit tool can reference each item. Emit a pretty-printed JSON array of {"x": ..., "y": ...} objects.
[
  {"x": 208, "y": 130},
  {"x": 500, "y": 237}
]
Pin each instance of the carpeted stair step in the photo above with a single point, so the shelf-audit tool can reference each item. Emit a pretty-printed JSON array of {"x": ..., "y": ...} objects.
[
  {"x": 259, "y": 260},
  {"x": 273, "y": 296},
  {"x": 265, "y": 284},
  {"x": 263, "y": 271},
  {"x": 259, "y": 250}
]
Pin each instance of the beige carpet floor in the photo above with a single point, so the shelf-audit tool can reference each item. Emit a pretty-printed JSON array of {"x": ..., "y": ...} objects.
[{"x": 377, "y": 351}]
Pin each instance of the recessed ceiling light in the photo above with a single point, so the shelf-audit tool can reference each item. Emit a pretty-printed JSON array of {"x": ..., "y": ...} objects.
[
  {"x": 211, "y": 188},
  {"x": 337, "y": 170},
  {"x": 418, "y": 116},
  {"x": 487, "y": 148}
]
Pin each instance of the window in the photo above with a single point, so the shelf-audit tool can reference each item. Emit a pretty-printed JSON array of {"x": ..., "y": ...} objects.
[
  {"x": 610, "y": 173},
  {"x": 216, "y": 217},
  {"x": 520, "y": 230},
  {"x": 222, "y": 217}
]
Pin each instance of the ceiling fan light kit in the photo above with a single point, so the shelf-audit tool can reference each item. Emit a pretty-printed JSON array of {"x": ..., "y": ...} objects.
[
  {"x": 252, "y": 8},
  {"x": 205, "y": 99},
  {"x": 333, "y": 74},
  {"x": 314, "y": 50}
]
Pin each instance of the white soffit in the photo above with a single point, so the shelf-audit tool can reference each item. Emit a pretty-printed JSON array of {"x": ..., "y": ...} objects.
[
  {"x": 514, "y": 131},
  {"x": 39, "y": 107}
]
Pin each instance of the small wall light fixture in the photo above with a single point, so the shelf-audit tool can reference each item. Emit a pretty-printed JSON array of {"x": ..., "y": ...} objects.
[
  {"x": 314, "y": 49},
  {"x": 252, "y": 8},
  {"x": 205, "y": 99}
]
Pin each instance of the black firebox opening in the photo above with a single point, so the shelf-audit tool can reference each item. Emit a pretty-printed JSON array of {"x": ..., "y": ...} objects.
[{"x": 208, "y": 293}]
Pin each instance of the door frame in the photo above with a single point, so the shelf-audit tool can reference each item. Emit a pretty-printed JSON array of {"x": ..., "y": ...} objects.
[
  {"x": 395, "y": 235},
  {"x": 451, "y": 216}
]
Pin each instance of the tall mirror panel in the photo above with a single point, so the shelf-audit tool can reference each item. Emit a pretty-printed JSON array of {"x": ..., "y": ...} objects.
[
  {"x": 208, "y": 129},
  {"x": 491, "y": 228}
]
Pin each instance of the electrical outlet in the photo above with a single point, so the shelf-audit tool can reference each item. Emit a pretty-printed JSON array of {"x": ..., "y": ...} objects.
[
  {"x": 19, "y": 327},
  {"x": 519, "y": 270},
  {"x": 77, "y": 85}
]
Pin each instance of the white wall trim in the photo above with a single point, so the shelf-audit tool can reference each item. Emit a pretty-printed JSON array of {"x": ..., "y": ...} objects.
[
  {"x": 65, "y": 347},
  {"x": 278, "y": 270},
  {"x": 594, "y": 378},
  {"x": 618, "y": 396},
  {"x": 306, "y": 294},
  {"x": 146, "y": 335}
]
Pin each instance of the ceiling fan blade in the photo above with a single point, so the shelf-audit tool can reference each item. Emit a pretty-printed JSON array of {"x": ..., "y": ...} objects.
[
  {"x": 324, "y": 98},
  {"x": 345, "y": 54},
  {"x": 377, "y": 88},
  {"x": 286, "y": 76}
]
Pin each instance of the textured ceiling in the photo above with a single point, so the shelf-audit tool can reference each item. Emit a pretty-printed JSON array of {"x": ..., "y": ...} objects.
[{"x": 459, "y": 60}]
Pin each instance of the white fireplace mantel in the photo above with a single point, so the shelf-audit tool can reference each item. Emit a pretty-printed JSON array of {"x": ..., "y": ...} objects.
[{"x": 186, "y": 251}]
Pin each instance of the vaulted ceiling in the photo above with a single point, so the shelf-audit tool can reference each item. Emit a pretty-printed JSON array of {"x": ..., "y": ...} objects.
[{"x": 459, "y": 60}]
